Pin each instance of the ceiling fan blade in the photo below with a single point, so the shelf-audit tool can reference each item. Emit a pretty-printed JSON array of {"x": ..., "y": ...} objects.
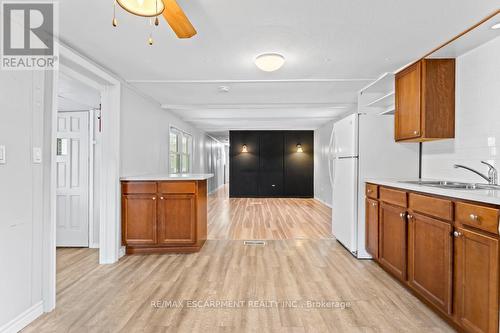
[{"x": 177, "y": 20}]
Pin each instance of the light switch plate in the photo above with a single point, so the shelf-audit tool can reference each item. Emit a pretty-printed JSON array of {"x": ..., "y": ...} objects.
[
  {"x": 3, "y": 159},
  {"x": 37, "y": 155}
]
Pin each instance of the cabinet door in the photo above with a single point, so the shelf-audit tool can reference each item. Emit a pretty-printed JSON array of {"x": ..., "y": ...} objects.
[
  {"x": 392, "y": 249},
  {"x": 408, "y": 103},
  {"x": 372, "y": 227},
  {"x": 476, "y": 260},
  {"x": 139, "y": 219},
  {"x": 177, "y": 217},
  {"x": 430, "y": 259}
]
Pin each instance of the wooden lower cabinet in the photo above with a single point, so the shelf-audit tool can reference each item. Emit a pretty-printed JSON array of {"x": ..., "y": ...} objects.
[
  {"x": 371, "y": 231},
  {"x": 476, "y": 281},
  {"x": 176, "y": 224},
  {"x": 139, "y": 219},
  {"x": 444, "y": 249},
  {"x": 430, "y": 259},
  {"x": 172, "y": 219},
  {"x": 392, "y": 240}
]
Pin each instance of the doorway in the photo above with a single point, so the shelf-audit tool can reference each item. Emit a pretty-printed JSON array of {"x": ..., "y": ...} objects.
[{"x": 75, "y": 163}]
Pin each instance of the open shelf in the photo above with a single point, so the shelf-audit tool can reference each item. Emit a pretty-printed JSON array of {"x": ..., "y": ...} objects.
[
  {"x": 389, "y": 110},
  {"x": 382, "y": 102}
]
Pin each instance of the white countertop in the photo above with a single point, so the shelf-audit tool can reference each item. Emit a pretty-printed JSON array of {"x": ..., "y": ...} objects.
[
  {"x": 166, "y": 176},
  {"x": 484, "y": 196}
]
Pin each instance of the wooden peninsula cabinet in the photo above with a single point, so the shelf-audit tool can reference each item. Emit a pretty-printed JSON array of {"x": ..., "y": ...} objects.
[
  {"x": 445, "y": 250},
  {"x": 425, "y": 101},
  {"x": 165, "y": 215}
]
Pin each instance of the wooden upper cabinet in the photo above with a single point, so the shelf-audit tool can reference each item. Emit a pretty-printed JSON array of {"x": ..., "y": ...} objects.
[
  {"x": 139, "y": 219},
  {"x": 392, "y": 247},
  {"x": 425, "y": 101},
  {"x": 430, "y": 259},
  {"x": 476, "y": 264},
  {"x": 177, "y": 219},
  {"x": 372, "y": 227}
]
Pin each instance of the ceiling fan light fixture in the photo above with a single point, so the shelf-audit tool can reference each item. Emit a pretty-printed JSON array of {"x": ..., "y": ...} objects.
[
  {"x": 269, "y": 62},
  {"x": 144, "y": 8}
]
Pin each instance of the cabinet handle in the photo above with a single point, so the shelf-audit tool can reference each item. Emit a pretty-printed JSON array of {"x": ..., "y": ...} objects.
[
  {"x": 374, "y": 204},
  {"x": 161, "y": 198},
  {"x": 153, "y": 198},
  {"x": 457, "y": 234},
  {"x": 474, "y": 217},
  {"x": 415, "y": 132},
  {"x": 369, "y": 191},
  {"x": 410, "y": 217},
  {"x": 403, "y": 216}
]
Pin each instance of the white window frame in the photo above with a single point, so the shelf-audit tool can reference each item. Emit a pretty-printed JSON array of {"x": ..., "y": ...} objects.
[{"x": 180, "y": 154}]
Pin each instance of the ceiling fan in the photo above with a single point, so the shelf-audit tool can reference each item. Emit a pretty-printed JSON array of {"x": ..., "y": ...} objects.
[{"x": 169, "y": 9}]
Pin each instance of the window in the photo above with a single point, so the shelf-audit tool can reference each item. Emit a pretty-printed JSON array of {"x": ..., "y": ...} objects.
[{"x": 180, "y": 147}]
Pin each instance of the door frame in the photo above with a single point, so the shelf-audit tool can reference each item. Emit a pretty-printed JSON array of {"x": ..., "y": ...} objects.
[{"x": 84, "y": 70}]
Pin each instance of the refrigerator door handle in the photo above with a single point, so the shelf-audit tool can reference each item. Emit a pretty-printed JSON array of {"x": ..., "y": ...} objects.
[{"x": 331, "y": 158}]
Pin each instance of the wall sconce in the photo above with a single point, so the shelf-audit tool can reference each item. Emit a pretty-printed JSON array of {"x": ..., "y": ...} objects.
[
  {"x": 244, "y": 149},
  {"x": 299, "y": 148}
]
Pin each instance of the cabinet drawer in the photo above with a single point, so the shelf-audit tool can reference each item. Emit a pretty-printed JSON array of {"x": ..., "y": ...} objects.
[
  {"x": 372, "y": 191},
  {"x": 177, "y": 187},
  {"x": 138, "y": 187},
  {"x": 440, "y": 208},
  {"x": 480, "y": 217},
  {"x": 394, "y": 197}
]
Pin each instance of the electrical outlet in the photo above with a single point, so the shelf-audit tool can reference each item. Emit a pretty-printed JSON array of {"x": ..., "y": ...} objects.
[{"x": 3, "y": 159}]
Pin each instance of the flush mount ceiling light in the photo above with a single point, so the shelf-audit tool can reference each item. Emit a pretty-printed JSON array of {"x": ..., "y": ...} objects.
[
  {"x": 495, "y": 26},
  {"x": 269, "y": 62}
]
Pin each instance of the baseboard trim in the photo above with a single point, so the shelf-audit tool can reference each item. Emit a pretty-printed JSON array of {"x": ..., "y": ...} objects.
[
  {"x": 122, "y": 252},
  {"x": 94, "y": 246},
  {"x": 323, "y": 202},
  {"x": 218, "y": 188},
  {"x": 24, "y": 319}
]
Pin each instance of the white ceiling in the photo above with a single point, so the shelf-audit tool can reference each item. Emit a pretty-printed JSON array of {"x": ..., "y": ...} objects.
[
  {"x": 333, "y": 48},
  {"x": 75, "y": 96}
]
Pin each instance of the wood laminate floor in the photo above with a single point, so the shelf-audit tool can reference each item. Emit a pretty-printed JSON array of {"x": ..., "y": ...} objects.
[
  {"x": 270, "y": 218},
  {"x": 288, "y": 285}
]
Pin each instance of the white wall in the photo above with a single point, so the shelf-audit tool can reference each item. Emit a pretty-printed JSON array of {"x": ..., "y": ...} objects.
[
  {"x": 477, "y": 120},
  {"x": 322, "y": 186},
  {"x": 21, "y": 194},
  {"x": 144, "y": 135}
]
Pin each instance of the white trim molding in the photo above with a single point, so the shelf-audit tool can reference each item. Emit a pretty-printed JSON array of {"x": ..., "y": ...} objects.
[
  {"x": 23, "y": 319},
  {"x": 323, "y": 202}
]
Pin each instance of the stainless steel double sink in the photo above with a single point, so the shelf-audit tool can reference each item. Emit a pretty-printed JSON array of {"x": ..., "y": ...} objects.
[{"x": 453, "y": 185}]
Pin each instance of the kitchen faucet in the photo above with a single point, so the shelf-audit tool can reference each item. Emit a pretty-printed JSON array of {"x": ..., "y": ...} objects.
[{"x": 492, "y": 177}]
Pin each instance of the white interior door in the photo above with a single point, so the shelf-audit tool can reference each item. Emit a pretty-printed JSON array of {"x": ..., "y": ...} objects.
[{"x": 72, "y": 165}]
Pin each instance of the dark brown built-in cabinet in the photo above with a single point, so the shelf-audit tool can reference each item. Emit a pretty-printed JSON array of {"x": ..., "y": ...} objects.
[
  {"x": 271, "y": 166},
  {"x": 443, "y": 249}
]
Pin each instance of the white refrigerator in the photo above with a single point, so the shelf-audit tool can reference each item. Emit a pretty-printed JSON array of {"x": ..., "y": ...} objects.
[{"x": 363, "y": 147}]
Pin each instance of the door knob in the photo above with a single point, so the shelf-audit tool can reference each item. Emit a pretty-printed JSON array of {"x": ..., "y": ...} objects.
[{"x": 457, "y": 233}]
